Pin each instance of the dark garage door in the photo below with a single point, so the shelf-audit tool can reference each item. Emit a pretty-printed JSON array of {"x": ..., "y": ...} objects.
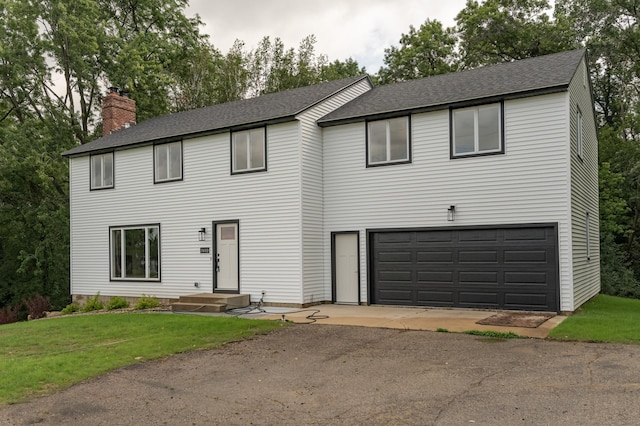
[{"x": 504, "y": 268}]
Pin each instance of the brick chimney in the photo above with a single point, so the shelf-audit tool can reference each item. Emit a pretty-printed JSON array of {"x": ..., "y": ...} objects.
[{"x": 118, "y": 111}]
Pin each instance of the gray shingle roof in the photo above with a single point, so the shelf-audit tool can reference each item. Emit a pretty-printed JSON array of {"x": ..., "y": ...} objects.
[
  {"x": 275, "y": 107},
  {"x": 509, "y": 80}
]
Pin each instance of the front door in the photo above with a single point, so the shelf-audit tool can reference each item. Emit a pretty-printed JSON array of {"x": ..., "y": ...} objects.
[
  {"x": 225, "y": 261},
  {"x": 346, "y": 270}
]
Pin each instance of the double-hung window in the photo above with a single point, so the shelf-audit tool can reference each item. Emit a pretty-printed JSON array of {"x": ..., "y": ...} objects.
[
  {"x": 477, "y": 130},
  {"x": 248, "y": 150},
  {"x": 135, "y": 253},
  {"x": 167, "y": 161},
  {"x": 388, "y": 141},
  {"x": 102, "y": 171}
]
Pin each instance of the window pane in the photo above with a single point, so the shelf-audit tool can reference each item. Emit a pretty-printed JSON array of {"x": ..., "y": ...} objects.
[
  {"x": 240, "y": 142},
  {"x": 399, "y": 139},
  {"x": 134, "y": 253},
  {"x": 116, "y": 257},
  {"x": 377, "y": 141},
  {"x": 108, "y": 170},
  {"x": 161, "y": 162},
  {"x": 489, "y": 128},
  {"x": 96, "y": 171},
  {"x": 154, "y": 252},
  {"x": 257, "y": 148},
  {"x": 175, "y": 160},
  {"x": 463, "y": 131}
]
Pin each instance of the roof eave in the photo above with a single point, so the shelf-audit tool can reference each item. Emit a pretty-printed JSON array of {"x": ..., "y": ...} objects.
[
  {"x": 457, "y": 104},
  {"x": 174, "y": 138}
]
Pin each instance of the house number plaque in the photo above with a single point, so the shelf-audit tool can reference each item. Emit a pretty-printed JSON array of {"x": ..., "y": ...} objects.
[{"x": 204, "y": 249}]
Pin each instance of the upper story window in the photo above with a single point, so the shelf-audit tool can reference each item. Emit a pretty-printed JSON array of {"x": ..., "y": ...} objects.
[
  {"x": 167, "y": 162},
  {"x": 477, "y": 130},
  {"x": 248, "y": 150},
  {"x": 102, "y": 171},
  {"x": 388, "y": 141},
  {"x": 135, "y": 253},
  {"x": 579, "y": 136}
]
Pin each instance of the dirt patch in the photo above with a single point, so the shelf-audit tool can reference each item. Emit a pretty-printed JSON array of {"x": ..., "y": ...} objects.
[{"x": 516, "y": 319}]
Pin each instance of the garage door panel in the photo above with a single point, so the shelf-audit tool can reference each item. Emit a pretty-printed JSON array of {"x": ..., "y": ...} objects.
[
  {"x": 526, "y": 234},
  {"x": 395, "y": 238},
  {"x": 478, "y": 256},
  {"x": 398, "y": 256},
  {"x": 434, "y": 257},
  {"x": 529, "y": 256},
  {"x": 434, "y": 237},
  {"x": 397, "y": 296},
  {"x": 477, "y": 298},
  {"x": 440, "y": 277},
  {"x": 439, "y": 298},
  {"x": 525, "y": 300},
  {"x": 477, "y": 235},
  {"x": 477, "y": 277},
  {"x": 526, "y": 278},
  {"x": 510, "y": 268},
  {"x": 402, "y": 276}
]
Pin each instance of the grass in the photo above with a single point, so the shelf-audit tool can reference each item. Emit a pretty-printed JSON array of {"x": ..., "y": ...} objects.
[
  {"x": 501, "y": 335},
  {"x": 39, "y": 357},
  {"x": 602, "y": 319}
]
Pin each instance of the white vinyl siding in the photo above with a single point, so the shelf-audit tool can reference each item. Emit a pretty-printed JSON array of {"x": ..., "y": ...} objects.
[
  {"x": 584, "y": 190},
  {"x": 476, "y": 130},
  {"x": 102, "y": 171},
  {"x": 249, "y": 150},
  {"x": 266, "y": 205},
  {"x": 317, "y": 285},
  {"x": 526, "y": 185},
  {"x": 168, "y": 162},
  {"x": 388, "y": 141}
]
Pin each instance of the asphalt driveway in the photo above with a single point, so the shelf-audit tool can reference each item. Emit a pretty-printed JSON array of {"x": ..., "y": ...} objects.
[{"x": 345, "y": 375}]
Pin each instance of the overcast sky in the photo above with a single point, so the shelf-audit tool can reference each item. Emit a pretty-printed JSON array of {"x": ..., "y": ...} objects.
[{"x": 360, "y": 29}]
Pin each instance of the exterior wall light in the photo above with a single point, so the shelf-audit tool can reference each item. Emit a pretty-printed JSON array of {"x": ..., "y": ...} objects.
[
  {"x": 451, "y": 213},
  {"x": 201, "y": 234}
]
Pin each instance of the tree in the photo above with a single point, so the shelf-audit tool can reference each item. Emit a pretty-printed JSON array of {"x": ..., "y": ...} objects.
[
  {"x": 422, "y": 53},
  {"x": 496, "y": 31}
]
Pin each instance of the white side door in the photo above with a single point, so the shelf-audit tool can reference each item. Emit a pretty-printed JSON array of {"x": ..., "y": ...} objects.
[
  {"x": 346, "y": 268},
  {"x": 226, "y": 257}
]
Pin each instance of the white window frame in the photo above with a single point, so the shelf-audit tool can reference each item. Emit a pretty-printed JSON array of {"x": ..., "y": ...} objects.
[
  {"x": 101, "y": 158},
  {"x": 579, "y": 133},
  {"x": 250, "y": 167},
  {"x": 167, "y": 148},
  {"x": 476, "y": 139},
  {"x": 388, "y": 159},
  {"x": 123, "y": 260}
]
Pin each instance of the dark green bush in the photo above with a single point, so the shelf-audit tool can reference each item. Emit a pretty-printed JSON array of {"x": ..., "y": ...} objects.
[
  {"x": 117, "y": 303},
  {"x": 93, "y": 304},
  {"x": 147, "y": 302},
  {"x": 70, "y": 308}
]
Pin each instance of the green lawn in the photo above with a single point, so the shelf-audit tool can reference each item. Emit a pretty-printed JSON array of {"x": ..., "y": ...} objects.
[
  {"x": 603, "y": 319},
  {"x": 39, "y": 357}
]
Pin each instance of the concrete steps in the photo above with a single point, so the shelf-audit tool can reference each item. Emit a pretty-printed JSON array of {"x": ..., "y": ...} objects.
[{"x": 210, "y": 302}]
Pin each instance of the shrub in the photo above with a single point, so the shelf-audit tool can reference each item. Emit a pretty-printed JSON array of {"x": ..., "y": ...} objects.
[
  {"x": 37, "y": 306},
  {"x": 93, "y": 304},
  {"x": 9, "y": 314},
  {"x": 117, "y": 303},
  {"x": 70, "y": 308},
  {"x": 147, "y": 302}
]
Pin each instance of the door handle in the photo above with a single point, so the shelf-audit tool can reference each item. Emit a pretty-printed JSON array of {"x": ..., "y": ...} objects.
[{"x": 217, "y": 262}]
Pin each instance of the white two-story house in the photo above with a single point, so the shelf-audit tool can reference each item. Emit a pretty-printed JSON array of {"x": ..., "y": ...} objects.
[{"x": 473, "y": 189}]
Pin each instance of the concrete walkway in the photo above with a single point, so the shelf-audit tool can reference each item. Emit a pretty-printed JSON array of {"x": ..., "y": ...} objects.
[{"x": 407, "y": 318}]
